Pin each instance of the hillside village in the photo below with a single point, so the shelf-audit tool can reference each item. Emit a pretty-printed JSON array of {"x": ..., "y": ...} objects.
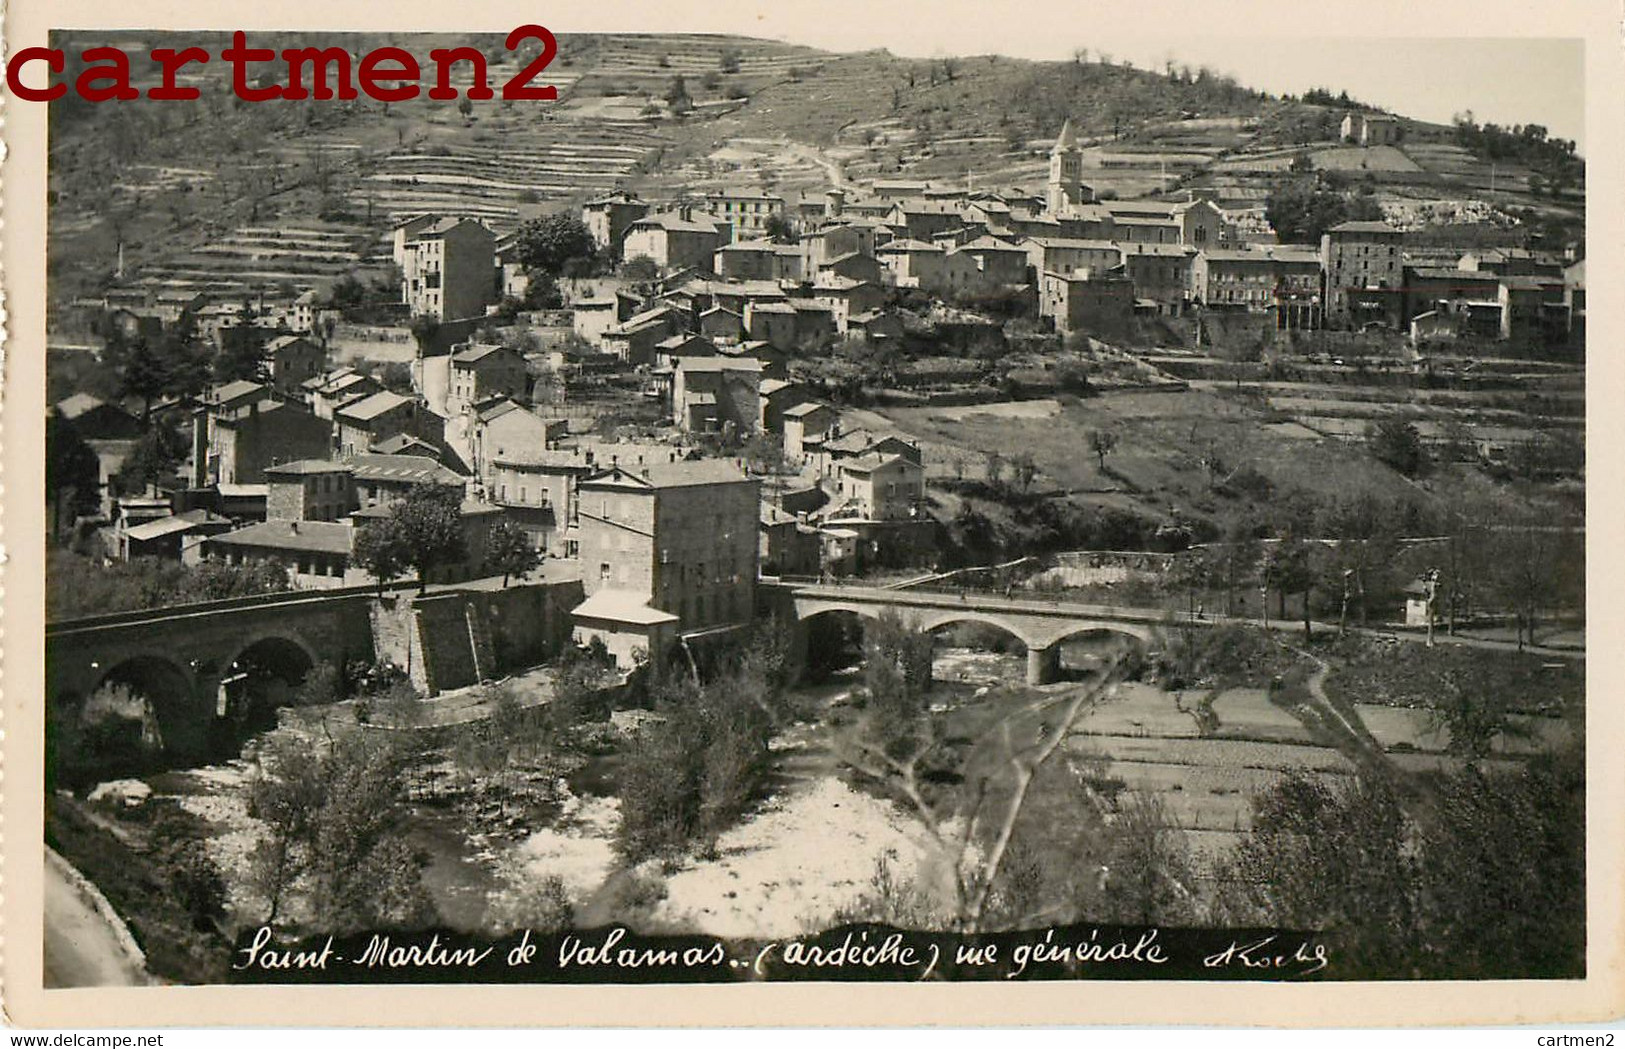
[{"x": 652, "y": 356}]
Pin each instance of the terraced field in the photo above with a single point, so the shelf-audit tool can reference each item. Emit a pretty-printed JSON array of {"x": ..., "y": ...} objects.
[
  {"x": 1149, "y": 740},
  {"x": 265, "y": 258}
]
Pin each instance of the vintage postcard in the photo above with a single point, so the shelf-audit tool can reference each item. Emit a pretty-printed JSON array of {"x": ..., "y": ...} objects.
[{"x": 844, "y": 513}]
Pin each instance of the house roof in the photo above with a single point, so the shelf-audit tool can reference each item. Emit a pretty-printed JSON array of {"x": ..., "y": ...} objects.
[
  {"x": 400, "y": 443},
  {"x": 404, "y": 469},
  {"x": 672, "y": 222},
  {"x": 175, "y": 523},
  {"x": 1074, "y": 243},
  {"x": 869, "y": 462},
  {"x": 243, "y": 491},
  {"x": 477, "y": 352},
  {"x": 373, "y": 405},
  {"x": 237, "y": 390},
  {"x": 991, "y": 244},
  {"x": 678, "y": 341},
  {"x": 283, "y": 340},
  {"x": 1363, "y": 226},
  {"x": 772, "y": 307},
  {"x": 687, "y": 472},
  {"x": 718, "y": 364},
  {"x": 806, "y": 408},
  {"x": 325, "y": 537},
  {"x": 78, "y": 404},
  {"x": 641, "y": 321},
  {"x": 446, "y": 225},
  {"x": 769, "y": 387},
  {"x": 622, "y": 606},
  {"x": 305, "y": 467}
]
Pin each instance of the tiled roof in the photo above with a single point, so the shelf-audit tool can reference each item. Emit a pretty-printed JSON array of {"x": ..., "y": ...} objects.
[
  {"x": 373, "y": 405},
  {"x": 327, "y": 537},
  {"x": 302, "y": 467},
  {"x": 406, "y": 469}
]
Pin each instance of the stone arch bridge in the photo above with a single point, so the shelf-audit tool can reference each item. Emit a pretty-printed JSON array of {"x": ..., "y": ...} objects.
[
  {"x": 186, "y": 659},
  {"x": 1043, "y": 626}
]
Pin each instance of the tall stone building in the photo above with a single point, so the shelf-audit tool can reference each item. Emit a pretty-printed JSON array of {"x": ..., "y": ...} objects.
[{"x": 668, "y": 550}]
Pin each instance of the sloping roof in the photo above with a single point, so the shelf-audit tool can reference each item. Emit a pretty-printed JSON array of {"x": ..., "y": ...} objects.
[
  {"x": 399, "y": 443},
  {"x": 1066, "y": 139},
  {"x": 78, "y": 404},
  {"x": 640, "y": 321},
  {"x": 985, "y": 243},
  {"x": 622, "y": 606},
  {"x": 687, "y": 472},
  {"x": 1073, "y": 243},
  {"x": 302, "y": 467},
  {"x": 718, "y": 364},
  {"x": 1363, "y": 227},
  {"x": 1450, "y": 273},
  {"x": 768, "y": 387},
  {"x": 406, "y": 469},
  {"x": 232, "y": 391},
  {"x": 326, "y": 537},
  {"x": 175, "y": 523},
  {"x": 373, "y": 405},
  {"x": 477, "y": 352},
  {"x": 243, "y": 491},
  {"x": 869, "y": 462},
  {"x": 806, "y": 408},
  {"x": 672, "y": 222}
]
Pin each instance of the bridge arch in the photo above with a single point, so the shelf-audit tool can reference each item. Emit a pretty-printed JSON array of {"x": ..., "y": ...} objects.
[
  {"x": 933, "y": 621},
  {"x": 154, "y": 696},
  {"x": 262, "y": 674}
]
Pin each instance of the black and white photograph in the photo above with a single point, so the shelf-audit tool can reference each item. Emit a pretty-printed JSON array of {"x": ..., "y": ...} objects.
[{"x": 556, "y": 507}]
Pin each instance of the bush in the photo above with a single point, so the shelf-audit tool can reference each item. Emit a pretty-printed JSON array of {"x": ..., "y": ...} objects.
[
  {"x": 196, "y": 884},
  {"x": 540, "y": 905}
]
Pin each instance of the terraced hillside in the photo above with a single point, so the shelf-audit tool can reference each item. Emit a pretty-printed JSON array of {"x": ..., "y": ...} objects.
[{"x": 257, "y": 198}]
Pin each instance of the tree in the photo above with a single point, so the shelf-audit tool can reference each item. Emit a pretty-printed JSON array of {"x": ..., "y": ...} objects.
[
  {"x": 1026, "y": 471},
  {"x": 640, "y": 269},
  {"x": 677, "y": 96},
  {"x": 465, "y": 106},
  {"x": 1102, "y": 443},
  {"x": 1366, "y": 542},
  {"x": 509, "y": 550},
  {"x": 1398, "y": 443},
  {"x": 72, "y": 472},
  {"x": 428, "y": 524},
  {"x": 729, "y": 60},
  {"x": 995, "y": 469},
  {"x": 779, "y": 230},
  {"x": 336, "y": 820},
  {"x": 154, "y": 458},
  {"x": 548, "y": 244},
  {"x": 241, "y": 358},
  {"x": 381, "y": 550},
  {"x": 1148, "y": 867},
  {"x": 425, "y": 328}
]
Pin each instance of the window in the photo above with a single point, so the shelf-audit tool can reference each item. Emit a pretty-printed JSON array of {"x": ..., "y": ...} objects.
[{"x": 603, "y": 572}]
